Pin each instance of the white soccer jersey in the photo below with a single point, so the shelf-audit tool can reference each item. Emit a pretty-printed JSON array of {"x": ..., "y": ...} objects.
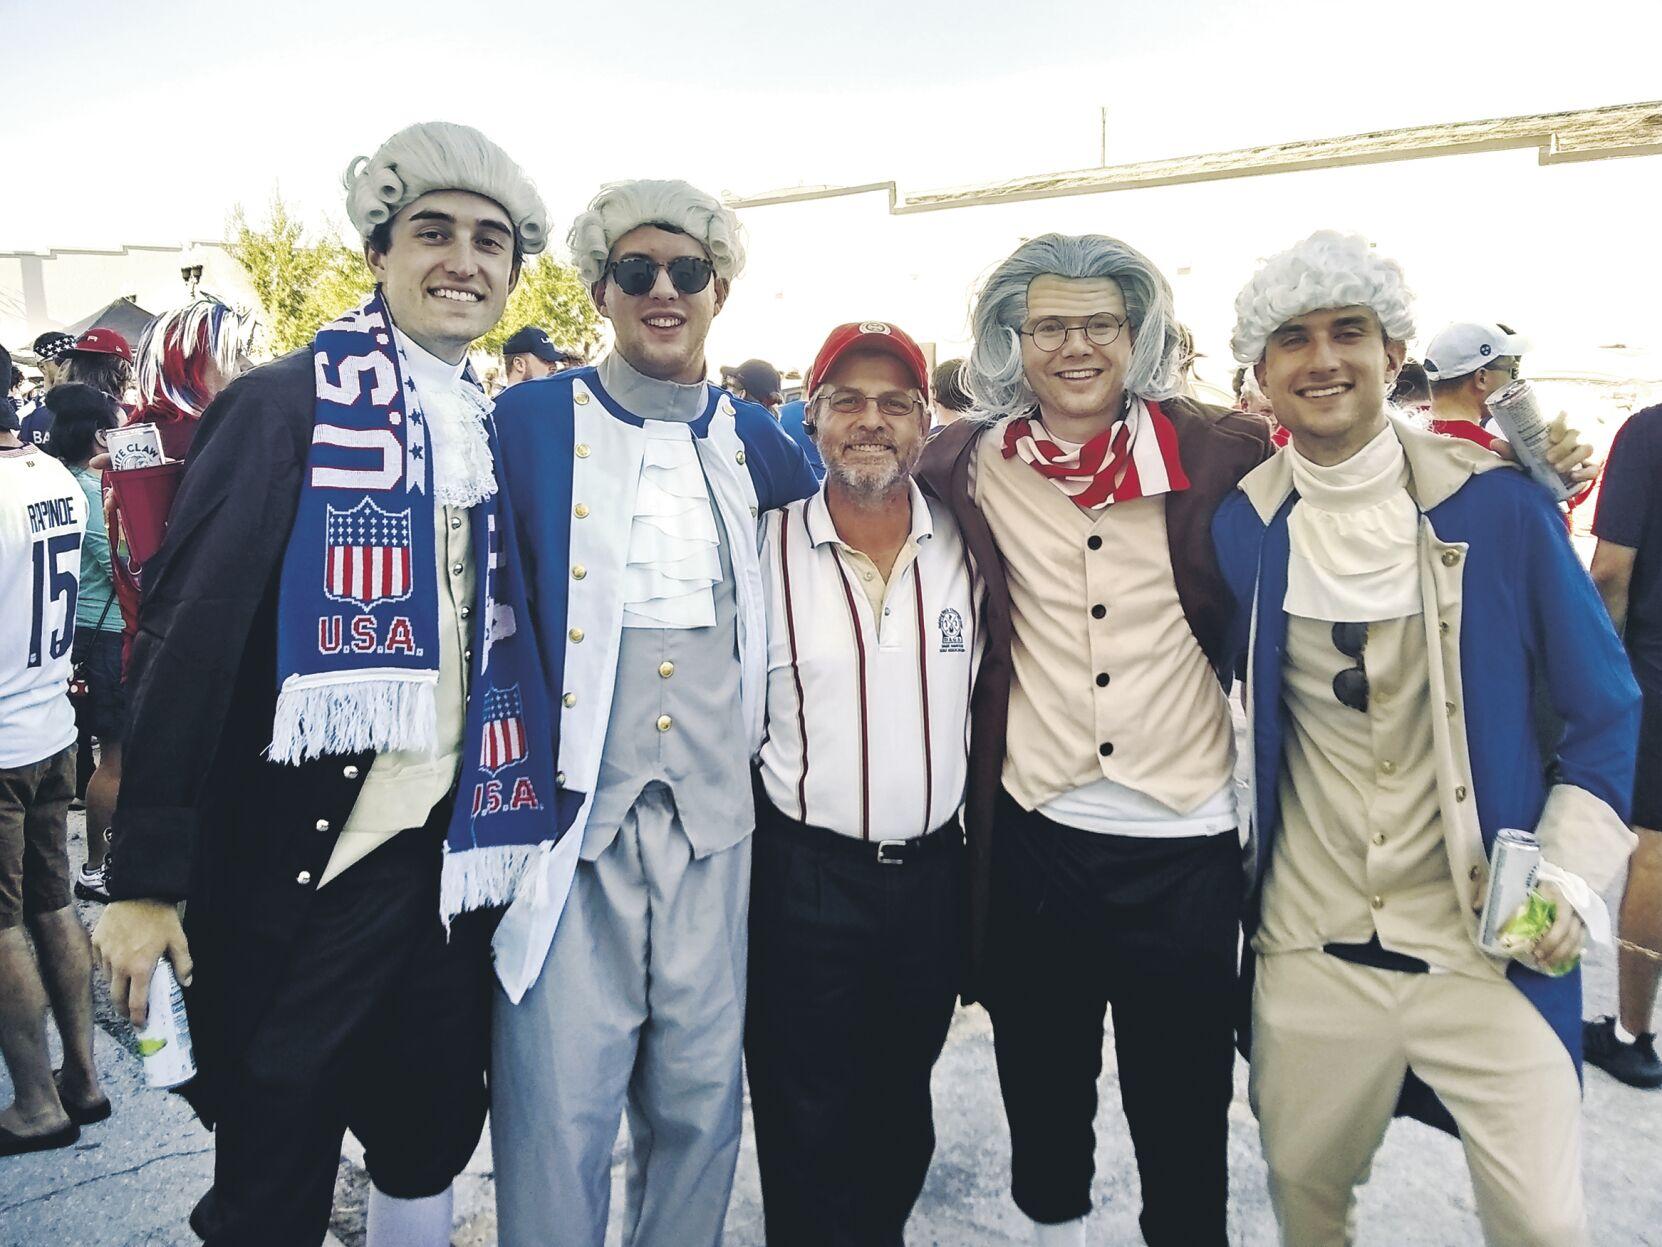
[{"x": 42, "y": 519}]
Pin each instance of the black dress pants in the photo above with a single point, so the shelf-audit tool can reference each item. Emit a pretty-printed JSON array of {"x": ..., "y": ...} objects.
[
  {"x": 1080, "y": 922},
  {"x": 379, "y": 1024},
  {"x": 854, "y": 972}
]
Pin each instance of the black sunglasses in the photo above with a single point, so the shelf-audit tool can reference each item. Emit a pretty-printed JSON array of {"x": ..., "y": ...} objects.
[
  {"x": 1350, "y": 686},
  {"x": 637, "y": 274}
]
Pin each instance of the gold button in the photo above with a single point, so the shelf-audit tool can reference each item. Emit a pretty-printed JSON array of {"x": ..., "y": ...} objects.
[
  {"x": 578, "y": 571},
  {"x": 752, "y": 512},
  {"x": 466, "y": 612},
  {"x": 581, "y": 450},
  {"x": 322, "y": 824},
  {"x": 569, "y": 700},
  {"x": 1389, "y": 767},
  {"x": 1474, "y": 872},
  {"x": 467, "y": 655},
  {"x": 1460, "y": 793},
  {"x": 1450, "y": 557},
  {"x": 1449, "y": 706},
  {"x": 350, "y": 772},
  {"x": 455, "y": 521},
  {"x": 582, "y": 397},
  {"x": 740, "y": 456},
  {"x": 303, "y": 878},
  {"x": 665, "y": 723},
  {"x": 1378, "y": 902},
  {"x": 666, "y": 669},
  {"x": 1443, "y": 627},
  {"x": 1379, "y": 837},
  {"x": 576, "y": 635},
  {"x": 456, "y": 569},
  {"x": 865, "y": 575},
  {"x": 559, "y": 779},
  {"x": 581, "y": 510}
]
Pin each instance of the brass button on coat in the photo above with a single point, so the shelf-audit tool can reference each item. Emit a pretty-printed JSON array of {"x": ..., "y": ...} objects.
[
  {"x": 456, "y": 569},
  {"x": 1379, "y": 837},
  {"x": 1378, "y": 902},
  {"x": 559, "y": 779},
  {"x": 323, "y": 824},
  {"x": 569, "y": 700},
  {"x": 666, "y": 669},
  {"x": 1473, "y": 873},
  {"x": 1460, "y": 793},
  {"x": 581, "y": 450},
  {"x": 576, "y": 635},
  {"x": 665, "y": 723},
  {"x": 1450, "y": 558},
  {"x": 350, "y": 772},
  {"x": 581, "y": 510},
  {"x": 739, "y": 456},
  {"x": 1389, "y": 767},
  {"x": 303, "y": 878},
  {"x": 581, "y": 397},
  {"x": 455, "y": 521},
  {"x": 578, "y": 571},
  {"x": 466, "y": 612},
  {"x": 1443, "y": 627}
]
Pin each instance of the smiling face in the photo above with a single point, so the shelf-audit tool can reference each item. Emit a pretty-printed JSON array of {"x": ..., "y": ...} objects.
[
  {"x": 1080, "y": 385},
  {"x": 868, "y": 452},
  {"x": 1326, "y": 375},
  {"x": 447, "y": 270},
  {"x": 660, "y": 333}
]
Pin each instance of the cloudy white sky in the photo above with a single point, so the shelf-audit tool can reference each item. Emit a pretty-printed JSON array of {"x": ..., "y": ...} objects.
[{"x": 143, "y": 122}]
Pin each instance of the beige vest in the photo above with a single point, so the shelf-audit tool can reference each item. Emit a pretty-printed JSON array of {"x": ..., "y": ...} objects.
[
  {"x": 1109, "y": 680},
  {"x": 1361, "y": 848},
  {"x": 403, "y": 786}
]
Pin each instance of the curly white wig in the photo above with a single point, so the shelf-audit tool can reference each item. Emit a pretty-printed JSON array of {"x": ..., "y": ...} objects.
[
  {"x": 995, "y": 375},
  {"x": 675, "y": 206},
  {"x": 1326, "y": 270},
  {"x": 442, "y": 156}
]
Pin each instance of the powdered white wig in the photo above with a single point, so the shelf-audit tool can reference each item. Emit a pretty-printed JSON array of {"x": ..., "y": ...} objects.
[
  {"x": 995, "y": 374},
  {"x": 442, "y": 156},
  {"x": 1326, "y": 270},
  {"x": 675, "y": 206}
]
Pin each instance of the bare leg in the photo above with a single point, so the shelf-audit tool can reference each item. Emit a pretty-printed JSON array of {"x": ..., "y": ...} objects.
[
  {"x": 34, "y": 1108},
  {"x": 101, "y": 794},
  {"x": 1641, "y": 923},
  {"x": 64, "y": 954}
]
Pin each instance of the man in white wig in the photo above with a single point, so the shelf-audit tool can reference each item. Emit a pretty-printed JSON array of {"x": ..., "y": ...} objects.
[
  {"x": 316, "y": 715},
  {"x": 1397, "y": 600},
  {"x": 637, "y": 489}
]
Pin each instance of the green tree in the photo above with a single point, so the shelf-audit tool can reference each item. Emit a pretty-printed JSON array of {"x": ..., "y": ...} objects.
[
  {"x": 549, "y": 294},
  {"x": 302, "y": 283}
]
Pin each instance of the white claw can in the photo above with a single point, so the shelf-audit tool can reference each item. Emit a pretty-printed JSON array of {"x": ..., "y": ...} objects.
[
  {"x": 1520, "y": 418},
  {"x": 164, "y": 1043},
  {"x": 1514, "y": 858},
  {"x": 134, "y": 446}
]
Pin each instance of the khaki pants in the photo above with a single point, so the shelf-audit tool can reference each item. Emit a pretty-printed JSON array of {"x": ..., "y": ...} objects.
[{"x": 1330, "y": 1044}]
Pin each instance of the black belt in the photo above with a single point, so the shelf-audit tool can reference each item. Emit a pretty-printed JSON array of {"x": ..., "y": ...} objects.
[{"x": 770, "y": 820}]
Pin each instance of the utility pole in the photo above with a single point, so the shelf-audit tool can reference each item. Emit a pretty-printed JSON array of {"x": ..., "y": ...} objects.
[{"x": 1103, "y": 162}]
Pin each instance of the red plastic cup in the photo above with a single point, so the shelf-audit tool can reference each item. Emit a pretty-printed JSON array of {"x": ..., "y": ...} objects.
[{"x": 144, "y": 496}]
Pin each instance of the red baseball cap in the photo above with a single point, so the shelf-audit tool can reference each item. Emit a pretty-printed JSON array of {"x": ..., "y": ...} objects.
[
  {"x": 870, "y": 335},
  {"x": 103, "y": 342}
]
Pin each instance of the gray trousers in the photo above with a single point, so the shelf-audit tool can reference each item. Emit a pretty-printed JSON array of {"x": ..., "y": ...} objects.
[{"x": 640, "y": 1008}]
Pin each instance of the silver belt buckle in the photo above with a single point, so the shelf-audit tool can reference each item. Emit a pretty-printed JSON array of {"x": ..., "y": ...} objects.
[{"x": 884, "y": 848}]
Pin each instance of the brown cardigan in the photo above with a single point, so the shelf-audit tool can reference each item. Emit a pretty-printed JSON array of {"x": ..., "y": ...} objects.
[{"x": 1217, "y": 449}]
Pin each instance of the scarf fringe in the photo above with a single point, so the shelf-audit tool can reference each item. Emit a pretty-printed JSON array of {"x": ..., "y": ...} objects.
[
  {"x": 356, "y": 717},
  {"x": 484, "y": 877}
]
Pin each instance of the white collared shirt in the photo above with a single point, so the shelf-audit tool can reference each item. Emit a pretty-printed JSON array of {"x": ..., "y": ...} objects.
[{"x": 850, "y": 746}]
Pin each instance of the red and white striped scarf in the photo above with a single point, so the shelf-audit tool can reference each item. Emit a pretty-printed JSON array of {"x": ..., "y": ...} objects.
[{"x": 1134, "y": 458}]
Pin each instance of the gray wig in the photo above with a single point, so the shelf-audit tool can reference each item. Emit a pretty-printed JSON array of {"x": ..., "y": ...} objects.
[
  {"x": 442, "y": 156},
  {"x": 995, "y": 374},
  {"x": 1326, "y": 270},
  {"x": 677, "y": 206}
]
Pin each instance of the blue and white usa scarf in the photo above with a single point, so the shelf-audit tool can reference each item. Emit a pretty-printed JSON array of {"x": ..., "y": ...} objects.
[{"x": 358, "y": 619}]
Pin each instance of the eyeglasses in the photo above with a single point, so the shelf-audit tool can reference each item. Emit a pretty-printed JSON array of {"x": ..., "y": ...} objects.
[
  {"x": 637, "y": 274},
  {"x": 1050, "y": 333},
  {"x": 1350, "y": 686},
  {"x": 853, "y": 403}
]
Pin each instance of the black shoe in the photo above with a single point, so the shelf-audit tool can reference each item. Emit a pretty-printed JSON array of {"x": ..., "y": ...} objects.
[{"x": 1634, "y": 1063}]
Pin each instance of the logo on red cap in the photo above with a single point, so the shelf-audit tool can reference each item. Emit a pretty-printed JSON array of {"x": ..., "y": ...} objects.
[{"x": 875, "y": 326}]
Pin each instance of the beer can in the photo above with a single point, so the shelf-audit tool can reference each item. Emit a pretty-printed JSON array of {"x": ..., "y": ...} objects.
[
  {"x": 164, "y": 1043},
  {"x": 135, "y": 446},
  {"x": 1513, "y": 860},
  {"x": 1519, "y": 416}
]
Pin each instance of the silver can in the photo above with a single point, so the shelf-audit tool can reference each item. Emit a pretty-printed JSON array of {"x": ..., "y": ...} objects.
[
  {"x": 135, "y": 446},
  {"x": 1514, "y": 858},
  {"x": 164, "y": 1043},
  {"x": 1519, "y": 416}
]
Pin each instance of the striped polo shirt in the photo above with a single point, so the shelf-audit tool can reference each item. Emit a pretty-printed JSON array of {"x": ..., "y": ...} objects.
[{"x": 868, "y": 681}]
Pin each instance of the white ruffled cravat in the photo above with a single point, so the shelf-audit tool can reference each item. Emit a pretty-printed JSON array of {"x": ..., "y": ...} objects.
[
  {"x": 455, "y": 410},
  {"x": 1354, "y": 534},
  {"x": 674, "y": 561}
]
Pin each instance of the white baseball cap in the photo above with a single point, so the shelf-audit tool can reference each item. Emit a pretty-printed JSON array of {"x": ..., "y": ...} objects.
[{"x": 1466, "y": 347}]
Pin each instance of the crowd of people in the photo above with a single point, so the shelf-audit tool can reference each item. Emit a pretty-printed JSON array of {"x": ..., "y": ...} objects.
[{"x": 574, "y": 754}]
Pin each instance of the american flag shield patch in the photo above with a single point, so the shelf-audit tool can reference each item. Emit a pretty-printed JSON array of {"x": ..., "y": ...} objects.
[
  {"x": 502, "y": 743},
  {"x": 367, "y": 559}
]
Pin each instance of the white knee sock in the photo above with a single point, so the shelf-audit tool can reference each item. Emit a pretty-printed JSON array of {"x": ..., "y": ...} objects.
[
  {"x": 410, "y": 1222},
  {"x": 1066, "y": 1234}
]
